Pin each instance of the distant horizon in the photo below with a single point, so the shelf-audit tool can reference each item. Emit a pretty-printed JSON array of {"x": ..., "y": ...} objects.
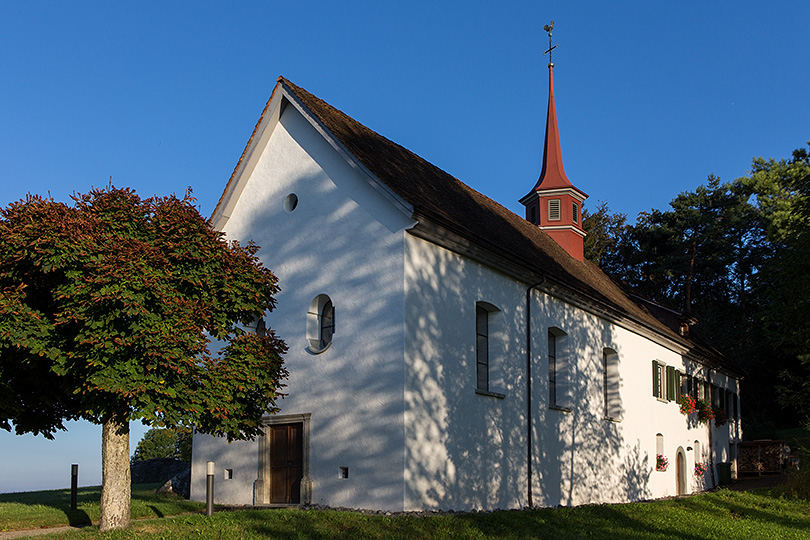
[{"x": 68, "y": 447}]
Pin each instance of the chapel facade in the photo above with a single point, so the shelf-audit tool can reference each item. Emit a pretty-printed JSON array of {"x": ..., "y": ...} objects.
[{"x": 444, "y": 352}]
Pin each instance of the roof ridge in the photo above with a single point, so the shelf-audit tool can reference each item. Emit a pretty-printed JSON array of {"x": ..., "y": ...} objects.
[{"x": 299, "y": 90}]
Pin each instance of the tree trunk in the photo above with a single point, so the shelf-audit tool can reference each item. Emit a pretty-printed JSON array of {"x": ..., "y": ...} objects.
[{"x": 115, "y": 477}]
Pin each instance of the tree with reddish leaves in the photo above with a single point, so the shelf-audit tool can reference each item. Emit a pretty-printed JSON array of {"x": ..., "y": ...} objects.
[{"x": 107, "y": 311}]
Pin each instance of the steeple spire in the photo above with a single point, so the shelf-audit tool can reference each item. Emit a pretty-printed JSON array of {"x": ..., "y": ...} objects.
[
  {"x": 554, "y": 203},
  {"x": 553, "y": 173}
]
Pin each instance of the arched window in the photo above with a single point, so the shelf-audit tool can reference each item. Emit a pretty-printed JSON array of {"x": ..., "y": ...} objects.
[
  {"x": 610, "y": 384},
  {"x": 698, "y": 457},
  {"x": 660, "y": 458},
  {"x": 559, "y": 372},
  {"x": 320, "y": 323}
]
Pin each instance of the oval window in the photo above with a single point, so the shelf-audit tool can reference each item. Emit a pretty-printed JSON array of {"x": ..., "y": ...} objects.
[
  {"x": 320, "y": 323},
  {"x": 291, "y": 202}
]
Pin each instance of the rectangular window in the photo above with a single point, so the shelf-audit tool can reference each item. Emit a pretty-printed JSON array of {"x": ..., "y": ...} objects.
[
  {"x": 659, "y": 380},
  {"x": 734, "y": 413},
  {"x": 715, "y": 396},
  {"x": 605, "y": 381},
  {"x": 575, "y": 211},
  {"x": 559, "y": 370},
  {"x": 554, "y": 210},
  {"x": 610, "y": 364},
  {"x": 552, "y": 369},
  {"x": 727, "y": 402},
  {"x": 533, "y": 214},
  {"x": 482, "y": 347}
]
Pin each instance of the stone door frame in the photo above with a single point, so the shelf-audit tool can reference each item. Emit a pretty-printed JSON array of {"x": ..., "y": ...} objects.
[{"x": 261, "y": 487}]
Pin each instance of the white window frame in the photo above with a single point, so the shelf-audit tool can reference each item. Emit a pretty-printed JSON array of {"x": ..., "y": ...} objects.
[
  {"x": 659, "y": 380},
  {"x": 320, "y": 329}
]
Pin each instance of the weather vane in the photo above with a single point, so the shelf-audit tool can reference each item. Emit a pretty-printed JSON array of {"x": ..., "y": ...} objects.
[{"x": 548, "y": 28}]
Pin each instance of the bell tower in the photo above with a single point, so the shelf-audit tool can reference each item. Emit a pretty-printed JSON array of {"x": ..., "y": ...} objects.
[{"x": 554, "y": 204}]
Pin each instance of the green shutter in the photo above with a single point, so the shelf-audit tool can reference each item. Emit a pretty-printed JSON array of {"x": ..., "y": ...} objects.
[
  {"x": 670, "y": 383},
  {"x": 655, "y": 379},
  {"x": 678, "y": 384}
]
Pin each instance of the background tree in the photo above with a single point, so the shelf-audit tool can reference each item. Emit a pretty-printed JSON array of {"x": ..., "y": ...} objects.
[
  {"x": 106, "y": 308},
  {"x": 605, "y": 234},
  {"x": 735, "y": 255},
  {"x": 172, "y": 443},
  {"x": 782, "y": 192}
]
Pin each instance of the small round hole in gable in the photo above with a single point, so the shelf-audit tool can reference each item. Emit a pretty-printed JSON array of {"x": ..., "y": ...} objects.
[{"x": 290, "y": 202}]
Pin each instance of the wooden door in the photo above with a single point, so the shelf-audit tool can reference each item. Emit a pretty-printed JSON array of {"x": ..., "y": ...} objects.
[
  {"x": 286, "y": 463},
  {"x": 680, "y": 473}
]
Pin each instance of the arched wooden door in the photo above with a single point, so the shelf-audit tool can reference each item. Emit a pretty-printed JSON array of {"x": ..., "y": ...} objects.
[{"x": 680, "y": 472}]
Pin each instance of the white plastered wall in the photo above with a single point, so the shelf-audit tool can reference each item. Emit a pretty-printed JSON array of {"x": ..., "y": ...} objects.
[
  {"x": 465, "y": 450},
  {"x": 344, "y": 239}
]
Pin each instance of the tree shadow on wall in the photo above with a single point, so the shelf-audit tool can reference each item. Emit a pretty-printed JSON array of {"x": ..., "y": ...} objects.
[{"x": 471, "y": 449}]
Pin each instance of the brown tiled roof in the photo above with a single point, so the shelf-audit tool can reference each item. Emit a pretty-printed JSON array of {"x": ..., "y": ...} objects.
[{"x": 446, "y": 200}]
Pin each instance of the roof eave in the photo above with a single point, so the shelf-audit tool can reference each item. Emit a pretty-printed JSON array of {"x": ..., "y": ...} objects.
[{"x": 437, "y": 230}]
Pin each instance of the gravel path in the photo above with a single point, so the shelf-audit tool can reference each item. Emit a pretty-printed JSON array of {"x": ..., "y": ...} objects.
[{"x": 27, "y": 533}]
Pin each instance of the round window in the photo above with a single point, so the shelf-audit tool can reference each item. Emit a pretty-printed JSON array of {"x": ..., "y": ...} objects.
[{"x": 290, "y": 202}]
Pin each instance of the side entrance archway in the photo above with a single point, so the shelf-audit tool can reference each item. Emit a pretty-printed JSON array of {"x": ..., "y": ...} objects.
[{"x": 680, "y": 472}]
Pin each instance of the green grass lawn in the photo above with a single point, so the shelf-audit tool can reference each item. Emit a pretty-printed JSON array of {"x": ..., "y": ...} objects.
[
  {"x": 761, "y": 514},
  {"x": 37, "y": 509}
]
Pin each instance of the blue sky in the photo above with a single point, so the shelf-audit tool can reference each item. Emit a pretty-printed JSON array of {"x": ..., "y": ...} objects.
[{"x": 652, "y": 97}]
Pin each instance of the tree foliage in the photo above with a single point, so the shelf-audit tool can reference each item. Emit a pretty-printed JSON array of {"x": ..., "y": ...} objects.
[
  {"x": 735, "y": 256},
  {"x": 782, "y": 190},
  {"x": 604, "y": 234},
  {"x": 164, "y": 443},
  {"x": 107, "y": 310}
]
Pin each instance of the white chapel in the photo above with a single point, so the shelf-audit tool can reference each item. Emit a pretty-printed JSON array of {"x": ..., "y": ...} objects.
[{"x": 444, "y": 352}]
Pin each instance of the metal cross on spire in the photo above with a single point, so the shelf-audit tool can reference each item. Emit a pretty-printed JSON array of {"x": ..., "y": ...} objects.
[{"x": 548, "y": 28}]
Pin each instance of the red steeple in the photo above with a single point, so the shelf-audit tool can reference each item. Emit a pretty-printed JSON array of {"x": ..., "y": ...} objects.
[
  {"x": 553, "y": 174},
  {"x": 554, "y": 203}
]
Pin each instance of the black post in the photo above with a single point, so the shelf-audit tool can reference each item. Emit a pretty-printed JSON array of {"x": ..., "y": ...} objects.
[
  {"x": 74, "y": 486},
  {"x": 209, "y": 489}
]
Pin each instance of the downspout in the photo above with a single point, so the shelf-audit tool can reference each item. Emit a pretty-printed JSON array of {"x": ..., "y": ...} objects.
[
  {"x": 529, "y": 389},
  {"x": 709, "y": 424}
]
